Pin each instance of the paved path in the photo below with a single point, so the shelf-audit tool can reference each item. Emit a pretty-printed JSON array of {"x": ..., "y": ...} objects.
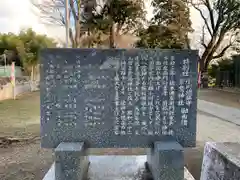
[
  {"x": 226, "y": 113},
  {"x": 220, "y": 97},
  {"x": 211, "y": 128}
]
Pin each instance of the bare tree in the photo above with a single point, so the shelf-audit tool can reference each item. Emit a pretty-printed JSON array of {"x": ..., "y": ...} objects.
[
  {"x": 110, "y": 17},
  {"x": 221, "y": 21},
  {"x": 52, "y": 13}
]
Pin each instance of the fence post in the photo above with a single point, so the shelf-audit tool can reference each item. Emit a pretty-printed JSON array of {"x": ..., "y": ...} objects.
[{"x": 13, "y": 79}]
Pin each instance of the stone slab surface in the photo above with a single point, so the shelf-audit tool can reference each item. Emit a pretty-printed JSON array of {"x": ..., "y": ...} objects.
[
  {"x": 70, "y": 147},
  {"x": 221, "y": 161},
  {"x": 115, "y": 168},
  {"x": 118, "y": 98}
]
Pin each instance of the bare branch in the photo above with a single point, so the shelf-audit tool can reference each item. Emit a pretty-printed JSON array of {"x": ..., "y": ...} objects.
[
  {"x": 50, "y": 11},
  {"x": 203, "y": 37},
  {"x": 71, "y": 38},
  {"x": 221, "y": 54},
  {"x": 231, "y": 42},
  {"x": 73, "y": 10},
  {"x": 203, "y": 17},
  {"x": 210, "y": 10}
]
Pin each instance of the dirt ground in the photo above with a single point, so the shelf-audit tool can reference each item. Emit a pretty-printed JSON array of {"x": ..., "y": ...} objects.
[{"x": 25, "y": 160}]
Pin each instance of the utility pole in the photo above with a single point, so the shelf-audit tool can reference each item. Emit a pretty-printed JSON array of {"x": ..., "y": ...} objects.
[{"x": 67, "y": 22}]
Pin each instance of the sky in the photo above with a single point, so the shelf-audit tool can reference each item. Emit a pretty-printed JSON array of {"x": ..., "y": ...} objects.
[{"x": 18, "y": 14}]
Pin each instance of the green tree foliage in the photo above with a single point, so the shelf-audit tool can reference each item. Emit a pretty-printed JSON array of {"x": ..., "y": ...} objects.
[
  {"x": 224, "y": 64},
  {"x": 169, "y": 27},
  {"x": 221, "y": 19},
  {"x": 24, "y": 47},
  {"x": 118, "y": 17},
  {"x": 11, "y": 45},
  {"x": 33, "y": 43}
]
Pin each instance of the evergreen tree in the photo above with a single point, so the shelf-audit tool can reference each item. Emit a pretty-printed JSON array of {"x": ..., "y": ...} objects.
[{"x": 169, "y": 27}]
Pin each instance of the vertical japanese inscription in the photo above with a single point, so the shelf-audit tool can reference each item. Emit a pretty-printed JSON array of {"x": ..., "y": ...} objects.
[
  {"x": 157, "y": 95},
  {"x": 164, "y": 105},
  {"x": 117, "y": 105},
  {"x": 94, "y": 109},
  {"x": 123, "y": 74},
  {"x": 185, "y": 92},
  {"x": 67, "y": 104},
  {"x": 136, "y": 122},
  {"x": 152, "y": 93},
  {"x": 171, "y": 104},
  {"x": 130, "y": 96},
  {"x": 145, "y": 95},
  {"x": 49, "y": 84},
  {"x": 150, "y": 98}
]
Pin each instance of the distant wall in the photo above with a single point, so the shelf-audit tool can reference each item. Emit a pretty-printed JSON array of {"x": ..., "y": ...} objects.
[
  {"x": 6, "y": 92},
  {"x": 23, "y": 85}
]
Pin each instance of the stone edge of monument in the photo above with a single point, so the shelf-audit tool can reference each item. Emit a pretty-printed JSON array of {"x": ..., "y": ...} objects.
[
  {"x": 221, "y": 147},
  {"x": 219, "y": 158},
  {"x": 50, "y": 175}
]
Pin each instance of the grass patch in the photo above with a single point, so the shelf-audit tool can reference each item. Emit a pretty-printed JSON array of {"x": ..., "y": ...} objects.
[{"x": 20, "y": 117}]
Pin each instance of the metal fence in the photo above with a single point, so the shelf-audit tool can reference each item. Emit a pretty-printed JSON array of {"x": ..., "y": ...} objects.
[
  {"x": 225, "y": 79},
  {"x": 5, "y": 71},
  {"x": 230, "y": 78},
  {"x": 236, "y": 61}
]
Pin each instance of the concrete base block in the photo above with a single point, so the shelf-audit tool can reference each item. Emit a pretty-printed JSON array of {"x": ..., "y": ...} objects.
[
  {"x": 50, "y": 175},
  {"x": 117, "y": 167},
  {"x": 70, "y": 161},
  {"x": 166, "y": 161},
  {"x": 187, "y": 175},
  {"x": 221, "y": 161}
]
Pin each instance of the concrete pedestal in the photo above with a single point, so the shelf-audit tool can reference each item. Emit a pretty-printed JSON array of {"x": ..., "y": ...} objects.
[
  {"x": 166, "y": 161},
  {"x": 70, "y": 161},
  {"x": 116, "y": 168}
]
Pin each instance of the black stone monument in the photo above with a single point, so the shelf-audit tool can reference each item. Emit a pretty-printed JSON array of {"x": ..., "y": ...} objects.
[{"x": 117, "y": 98}]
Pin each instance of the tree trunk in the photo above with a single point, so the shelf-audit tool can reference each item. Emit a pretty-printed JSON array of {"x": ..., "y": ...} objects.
[
  {"x": 32, "y": 73},
  {"x": 205, "y": 66},
  {"x": 205, "y": 57},
  {"x": 205, "y": 62},
  {"x": 32, "y": 77},
  {"x": 111, "y": 37},
  {"x": 77, "y": 35},
  {"x": 89, "y": 39},
  {"x": 187, "y": 42}
]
